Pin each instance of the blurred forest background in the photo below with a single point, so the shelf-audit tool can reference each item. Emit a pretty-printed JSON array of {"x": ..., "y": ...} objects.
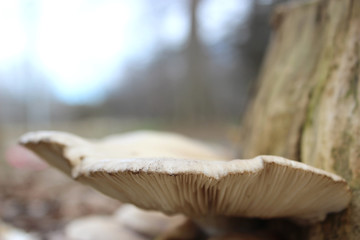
[
  {"x": 180, "y": 61},
  {"x": 99, "y": 67}
]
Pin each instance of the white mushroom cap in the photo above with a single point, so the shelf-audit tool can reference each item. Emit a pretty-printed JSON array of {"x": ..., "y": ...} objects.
[
  {"x": 99, "y": 227},
  {"x": 8, "y": 232},
  {"x": 148, "y": 223},
  {"x": 135, "y": 145},
  {"x": 263, "y": 187}
]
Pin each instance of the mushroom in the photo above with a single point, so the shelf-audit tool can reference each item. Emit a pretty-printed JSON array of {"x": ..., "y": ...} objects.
[
  {"x": 128, "y": 222},
  {"x": 8, "y": 232},
  {"x": 99, "y": 227},
  {"x": 148, "y": 170},
  {"x": 147, "y": 223}
]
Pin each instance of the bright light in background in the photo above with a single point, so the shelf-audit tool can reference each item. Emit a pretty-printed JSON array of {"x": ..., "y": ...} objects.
[
  {"x": 216, "y": 17},
  {"x": 84, "y": 43},
  {"x": 82, "y": 46},
  {"x": 175, "y": 26},
  {"x": 13, "y": 37}
]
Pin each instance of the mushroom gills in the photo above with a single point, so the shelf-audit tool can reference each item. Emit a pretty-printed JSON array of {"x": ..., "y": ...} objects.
[{"x": 173, "y": 181}]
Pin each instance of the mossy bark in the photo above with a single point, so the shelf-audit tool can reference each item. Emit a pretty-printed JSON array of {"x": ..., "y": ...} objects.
[{"x": 307, "y": 105}]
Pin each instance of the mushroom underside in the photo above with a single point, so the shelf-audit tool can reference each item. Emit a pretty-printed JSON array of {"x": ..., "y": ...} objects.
[{"x": 264, "y": 187}]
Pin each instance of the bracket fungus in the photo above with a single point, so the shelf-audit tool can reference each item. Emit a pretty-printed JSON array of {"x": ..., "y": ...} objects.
[{"x": 169, "y": 173}]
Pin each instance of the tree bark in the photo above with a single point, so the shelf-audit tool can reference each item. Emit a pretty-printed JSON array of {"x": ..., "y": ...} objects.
[{"x": 307, "y": 103}]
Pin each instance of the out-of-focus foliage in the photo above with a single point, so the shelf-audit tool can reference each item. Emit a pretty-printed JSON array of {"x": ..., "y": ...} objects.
[{"x": 198, "y": 81}]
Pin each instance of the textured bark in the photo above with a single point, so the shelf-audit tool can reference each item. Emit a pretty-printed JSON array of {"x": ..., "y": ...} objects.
[{"x": 307, "y": 104}]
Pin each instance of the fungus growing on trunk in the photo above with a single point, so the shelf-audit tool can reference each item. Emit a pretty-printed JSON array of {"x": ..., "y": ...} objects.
[{"x": 169, "y": 173}]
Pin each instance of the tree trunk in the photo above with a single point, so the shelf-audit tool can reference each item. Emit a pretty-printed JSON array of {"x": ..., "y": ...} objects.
[{"x": 307, "y": 104}]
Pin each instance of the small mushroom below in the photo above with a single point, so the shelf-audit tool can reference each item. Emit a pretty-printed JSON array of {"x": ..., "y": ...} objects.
[
  {"x": 99, "y": 227},
  {"x": 147, "y": 223},
  {"x": 8, "y": 232}
]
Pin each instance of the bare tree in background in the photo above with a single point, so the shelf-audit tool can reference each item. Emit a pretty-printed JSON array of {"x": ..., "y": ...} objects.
[
  {"x": 195, "y": 100},
  {"x": 199, "y": 82}
]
